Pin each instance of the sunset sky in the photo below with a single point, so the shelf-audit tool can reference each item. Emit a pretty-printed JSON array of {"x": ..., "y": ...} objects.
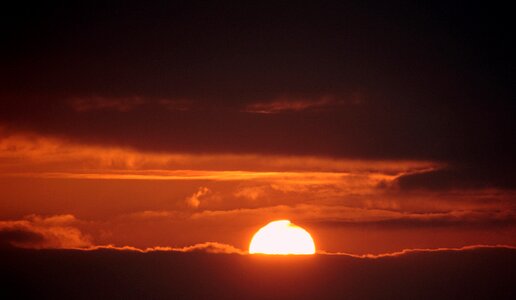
[{"x": 377, "y": 128}]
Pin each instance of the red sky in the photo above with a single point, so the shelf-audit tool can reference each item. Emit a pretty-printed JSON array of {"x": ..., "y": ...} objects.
[
  {"x": 377, "y": 128},
  {"x": 99, "y": 195}
]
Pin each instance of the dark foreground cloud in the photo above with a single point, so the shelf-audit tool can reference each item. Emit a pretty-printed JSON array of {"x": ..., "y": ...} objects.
[
  {"x": 38, "y": 232},
  {"x": 480, "y": 273}
]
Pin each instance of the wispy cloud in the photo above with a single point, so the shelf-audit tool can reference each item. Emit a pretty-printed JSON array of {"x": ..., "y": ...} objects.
[
  {"x": 289, "y": 104},
  {"x": 63, "y": 231},
  {"x": 286, "y": 104},
  {"x": 419, "y": 250},
  {"x": 463, "y": 219},
  {"x": 28, "y": 152},
  {"x": 252, "y": 192},
  {"x": 348, "y": 216},
  {"x": 206, "y": 247},
  {"x": 221, "y": 248},
  {"x": 96, "y": 103}
]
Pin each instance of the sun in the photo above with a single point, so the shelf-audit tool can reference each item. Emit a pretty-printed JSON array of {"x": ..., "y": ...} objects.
[{"x": 282, "y": 237}]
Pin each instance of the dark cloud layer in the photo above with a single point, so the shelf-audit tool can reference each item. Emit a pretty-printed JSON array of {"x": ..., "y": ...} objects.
[
  {"x": 17, "y": 236},
  {"x": 414, "y": 223},
  {"x": 411, "y": 81},
  {"x": 38, "y": 232},
  {"x": 461, "y": 177},
  {"x": 480, "y": 273}
]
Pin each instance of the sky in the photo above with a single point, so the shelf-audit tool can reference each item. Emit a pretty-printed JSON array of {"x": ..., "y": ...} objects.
[{"x": 376, "y": 127}]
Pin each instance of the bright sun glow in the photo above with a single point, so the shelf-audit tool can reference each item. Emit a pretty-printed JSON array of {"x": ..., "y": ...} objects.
[{"x": 282, "y": 237}]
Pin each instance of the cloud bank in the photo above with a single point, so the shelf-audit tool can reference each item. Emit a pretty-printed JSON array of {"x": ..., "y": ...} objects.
[{"x": 38, "y": 232}]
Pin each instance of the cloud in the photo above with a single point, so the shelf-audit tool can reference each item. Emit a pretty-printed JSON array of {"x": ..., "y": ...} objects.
[
  {"x": 459, "y": 177},
  {"x": 36, "y": 239},
  {"x": 31, "y": 152},
  {"x": 341, "y": 216},
  {"x": 211, "y": 247},
  {"x": 420, "y": 250},
  {"x": 480, "y": 273},
  {"x": 400, "y": 120},
  {"x": 206, "y": 247},
  {"x": 286, "y": 104},
  {"x": 252, "y": 192},
  {"x": 43, "y": 232},
  {"x": 195, "y": 199},
  {"x": 62, "y": 231},
  {"x": 221, "y": 248},
  {"x": 59, "y": 232},
  {"x": 19, "y": 236},
  {"x": 104, "y": 103},
  {"x": 454, "y": 219},
  {"x": 25, "y": 155},
  {"x": 153, "y": 214}
]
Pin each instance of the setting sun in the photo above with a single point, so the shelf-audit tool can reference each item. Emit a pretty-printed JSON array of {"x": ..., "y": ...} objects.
[{"x": 282, "y": 237}]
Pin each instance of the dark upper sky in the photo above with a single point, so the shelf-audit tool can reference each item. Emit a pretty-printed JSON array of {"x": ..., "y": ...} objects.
[{"x": 358, "y": 80}]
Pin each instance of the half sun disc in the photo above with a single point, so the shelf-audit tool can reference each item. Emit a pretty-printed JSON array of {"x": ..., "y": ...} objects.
[{"x": 282, "y": 237}]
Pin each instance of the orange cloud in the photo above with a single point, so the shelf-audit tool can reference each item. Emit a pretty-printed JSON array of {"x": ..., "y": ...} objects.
[
  {"x": 195, "y": 200},
  {"x": 62, "y": 231},
  {"x": 251, "y": 192},
  {"x": 341, "y": 215},
  {"x": 27, "y": 152},
  {"x": 142, "y": 196},
  {"x": 262, "y": 176}
]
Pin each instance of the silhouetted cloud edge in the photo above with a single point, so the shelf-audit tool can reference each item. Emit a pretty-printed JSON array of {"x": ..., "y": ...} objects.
[
  {"x": 207, "y": 247},
  {"x": 419, "y": 250},
  {"x": 221, "y": 248}
]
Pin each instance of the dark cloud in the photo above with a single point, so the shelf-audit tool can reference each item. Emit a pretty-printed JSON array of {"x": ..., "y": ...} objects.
[
  {"x": 466, "y": 222},
  {"x": 480, "y": 176},
  {"x": 38, "y": 232},
  {"x": 475, "y": 272},
  {"x": 435, "y": 79},
  {"x": 9, "y": 237}
]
